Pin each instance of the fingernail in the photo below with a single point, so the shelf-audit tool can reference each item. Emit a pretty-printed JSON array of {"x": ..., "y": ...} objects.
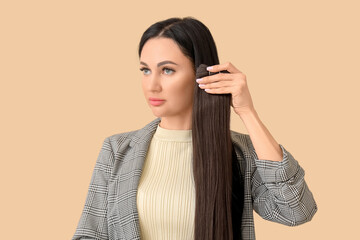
[
  {"x": 209, "y": 68},
  {"x": 198, "y": 80}
]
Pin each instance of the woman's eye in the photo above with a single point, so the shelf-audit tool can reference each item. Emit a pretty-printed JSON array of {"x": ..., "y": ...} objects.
[
  {"x": 143, "y": 70},
  {"x": 169, "y": 70}
]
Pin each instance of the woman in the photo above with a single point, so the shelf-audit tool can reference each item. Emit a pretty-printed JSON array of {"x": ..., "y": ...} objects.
[{"x": 186, "y": 175}]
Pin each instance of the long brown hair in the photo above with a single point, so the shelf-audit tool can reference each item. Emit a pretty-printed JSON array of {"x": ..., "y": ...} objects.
[{"x": 218, "y": 184}]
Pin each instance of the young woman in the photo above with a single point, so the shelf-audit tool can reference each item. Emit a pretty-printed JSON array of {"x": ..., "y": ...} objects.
[{"x": 186, "y": 175}]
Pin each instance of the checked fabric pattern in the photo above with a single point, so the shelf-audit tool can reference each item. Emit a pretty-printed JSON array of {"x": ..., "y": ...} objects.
[{"x": 277, "y": 191}]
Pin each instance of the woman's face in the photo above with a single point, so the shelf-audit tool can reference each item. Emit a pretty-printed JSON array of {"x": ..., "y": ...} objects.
[{"x": 169, "y": 75}]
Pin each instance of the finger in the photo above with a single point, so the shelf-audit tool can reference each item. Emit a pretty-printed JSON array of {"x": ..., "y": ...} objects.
[
  {"x": 220, "y": 90},
  {"x": 215, "y": 78},
  {"x": 215, "y": 84},
  {"x": 221, "y": 67}
]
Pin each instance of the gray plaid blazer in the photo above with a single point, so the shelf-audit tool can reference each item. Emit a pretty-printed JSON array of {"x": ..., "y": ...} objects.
[{"x": 277, "y": 191}]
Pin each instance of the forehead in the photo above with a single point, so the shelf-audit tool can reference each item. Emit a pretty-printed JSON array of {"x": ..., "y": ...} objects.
[{"x": 158, "y": 49}]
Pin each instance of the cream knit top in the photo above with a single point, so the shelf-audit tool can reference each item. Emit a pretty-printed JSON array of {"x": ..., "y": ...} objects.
[{"x": 166, "y": 191}]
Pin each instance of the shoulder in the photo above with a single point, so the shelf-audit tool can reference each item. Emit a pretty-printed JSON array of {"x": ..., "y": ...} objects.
[
  {"x": 120, "y": 141},
  {"x": 243, "y": 147},
  {"x": 240, "y": 139},
  {"x": 118, "y": 137}
]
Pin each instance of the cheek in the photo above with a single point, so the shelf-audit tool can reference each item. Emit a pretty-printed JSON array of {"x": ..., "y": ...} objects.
[
  {"x": 144, "y": 86},
  {"x": 181, "y": 94},
  {"x": 179, "y": 88}
]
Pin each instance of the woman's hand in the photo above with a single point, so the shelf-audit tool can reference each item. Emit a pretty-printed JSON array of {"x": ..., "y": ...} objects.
[{"x": 233, "y": 82}]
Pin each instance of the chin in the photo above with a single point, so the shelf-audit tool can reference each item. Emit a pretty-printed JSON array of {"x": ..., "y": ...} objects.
[{"x": 157, "y": 113}]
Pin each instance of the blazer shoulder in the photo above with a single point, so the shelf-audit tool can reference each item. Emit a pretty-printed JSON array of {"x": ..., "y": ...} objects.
[
  {"x": 240, "y": 139},
  {"x": 121, "y": 136},
  {"x": 119, "y": 139}
]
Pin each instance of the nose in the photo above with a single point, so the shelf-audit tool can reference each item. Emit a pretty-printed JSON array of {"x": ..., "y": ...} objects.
[{"x": 154, "y": 83}]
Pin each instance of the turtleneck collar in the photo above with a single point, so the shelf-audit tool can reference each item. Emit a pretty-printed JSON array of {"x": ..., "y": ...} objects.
[{"x": 173, "y": 135}]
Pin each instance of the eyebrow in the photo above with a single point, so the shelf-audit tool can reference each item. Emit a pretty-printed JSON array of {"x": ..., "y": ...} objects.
[{"x": 160, "y": 63}]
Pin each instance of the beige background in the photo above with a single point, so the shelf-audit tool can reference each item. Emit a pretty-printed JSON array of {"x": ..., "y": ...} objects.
[{"x": 69, "y": 78}]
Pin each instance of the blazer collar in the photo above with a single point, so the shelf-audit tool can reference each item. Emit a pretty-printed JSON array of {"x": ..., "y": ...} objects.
[
  {"x": 129, "y": 175},
  {"x": 144, "y": 135}
]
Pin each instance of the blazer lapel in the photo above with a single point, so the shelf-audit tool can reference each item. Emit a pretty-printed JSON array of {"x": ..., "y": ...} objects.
[{"x": 129, "y": 176}]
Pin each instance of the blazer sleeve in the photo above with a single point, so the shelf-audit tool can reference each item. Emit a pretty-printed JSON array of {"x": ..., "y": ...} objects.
[
  {"x": 93, "y": 220},
  {"x": 280, "y": 193}
]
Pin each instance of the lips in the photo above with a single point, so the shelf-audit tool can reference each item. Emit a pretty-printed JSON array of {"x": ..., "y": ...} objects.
[{"x": 156, "y": 99}]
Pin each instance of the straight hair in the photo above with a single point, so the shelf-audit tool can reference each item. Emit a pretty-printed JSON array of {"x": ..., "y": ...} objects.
[{"x": 216, "y": 171}]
